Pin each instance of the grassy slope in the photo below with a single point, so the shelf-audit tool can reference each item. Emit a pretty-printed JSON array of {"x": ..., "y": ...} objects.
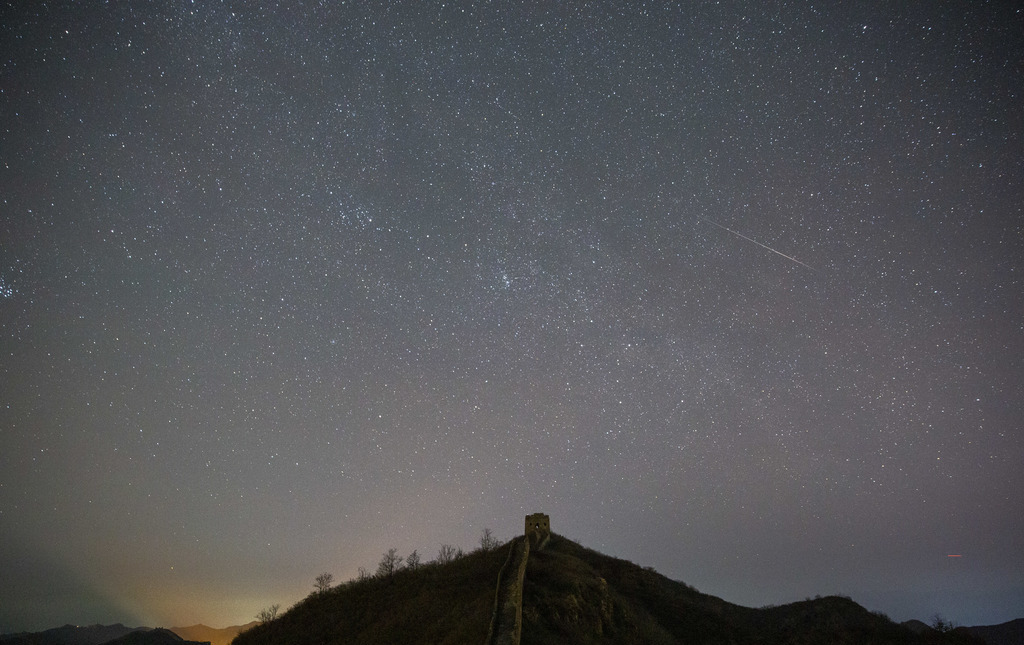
[{"x": 442, "y": 604}]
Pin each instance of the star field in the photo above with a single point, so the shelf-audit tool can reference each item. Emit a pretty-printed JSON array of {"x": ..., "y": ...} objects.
[{"x": 727, "y": 290}]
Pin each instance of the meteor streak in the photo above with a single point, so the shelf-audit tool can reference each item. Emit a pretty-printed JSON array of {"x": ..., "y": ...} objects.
[{"x": 763, "y": 246}]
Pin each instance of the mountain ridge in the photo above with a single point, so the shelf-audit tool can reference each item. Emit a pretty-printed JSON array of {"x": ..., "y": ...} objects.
[
  {"x": 1008, "y": 633},
  {"x": 212, "y": 635},
  {"x": 118, "y": 634},
  {"x": 570, "y": 594}
]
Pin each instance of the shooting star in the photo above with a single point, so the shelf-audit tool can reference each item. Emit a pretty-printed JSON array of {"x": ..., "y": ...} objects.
[{"x": 763, "y": 246}]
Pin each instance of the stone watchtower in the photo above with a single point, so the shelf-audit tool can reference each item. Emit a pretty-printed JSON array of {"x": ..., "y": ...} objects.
[{"x": 538, "y": 522}]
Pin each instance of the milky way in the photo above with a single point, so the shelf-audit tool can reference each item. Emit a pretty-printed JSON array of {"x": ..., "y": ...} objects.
[{"x": 283, "y": 288}]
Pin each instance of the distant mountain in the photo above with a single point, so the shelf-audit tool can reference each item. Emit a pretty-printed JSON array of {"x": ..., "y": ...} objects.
[
  {"x": 152, "y": 637},
  {"x": 212, "y": 635},
  {"x": 72, "y": 635},
  {"x": 99, "y": 635},
  {"x": 1011, "y": 633},
  {"x": 570, "y": 594}
]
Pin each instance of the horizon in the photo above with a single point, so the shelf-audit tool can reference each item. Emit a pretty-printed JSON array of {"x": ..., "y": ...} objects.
[
  {"x": 287, "y": 604},
  {"x": 283, "y": 288}
]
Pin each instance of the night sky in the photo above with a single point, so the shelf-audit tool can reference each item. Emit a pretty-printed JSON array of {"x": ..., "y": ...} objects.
[{"x": 731, "y": 290}]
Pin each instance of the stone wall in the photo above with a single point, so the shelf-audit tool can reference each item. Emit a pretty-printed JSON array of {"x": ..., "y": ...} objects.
[{"x": 507, "y": 620}]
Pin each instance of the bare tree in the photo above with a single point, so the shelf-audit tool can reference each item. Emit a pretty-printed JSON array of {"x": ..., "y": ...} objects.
[
  {"x": 364, "y": 574},
  {"x": 940, "y": 624},
  {"x": 446, "y": 554},
  {"x": 488, "y": 541},
  {"x": 389, "y": 564},
  {"x": 412, "y": 561},
  {"x": 268, "y": 614},
  {"x": 323, "y": 583}
]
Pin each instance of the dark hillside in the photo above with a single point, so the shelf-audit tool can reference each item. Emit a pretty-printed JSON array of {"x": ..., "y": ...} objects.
[
  {"x": 1011, "y": 633},
  {"x": 575, "y": 595},
  {"x": 833, "y": 619},
  {"x": 570, "y": 595},
  {"x": 446, "y": 604}
]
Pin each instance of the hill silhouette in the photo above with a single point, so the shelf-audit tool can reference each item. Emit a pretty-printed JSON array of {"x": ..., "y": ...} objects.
[
  {"x": 571, "y": 594},
  {"x": 158, "y": 636},
  {"x": 435, "y": 603},
  {"x": 71, "y": 635},
  {"x": 99, "y": 635},
  {"x": 212, "y": 635},
  {"x": 120, "y": 635},
  {"x": 1011, "y": 633}
]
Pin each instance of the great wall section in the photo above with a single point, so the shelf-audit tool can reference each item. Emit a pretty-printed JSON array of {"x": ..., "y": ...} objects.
[{"x": 507, "y": 619}]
